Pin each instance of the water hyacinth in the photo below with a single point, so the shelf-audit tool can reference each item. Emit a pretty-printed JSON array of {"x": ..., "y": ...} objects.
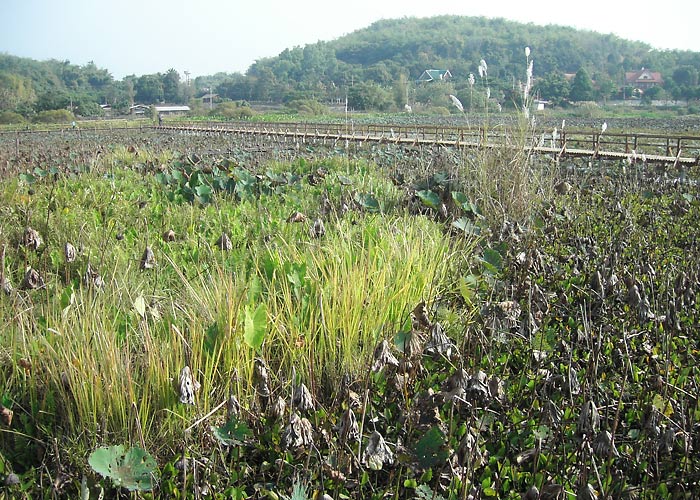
[{"x": 457, "y": 103}]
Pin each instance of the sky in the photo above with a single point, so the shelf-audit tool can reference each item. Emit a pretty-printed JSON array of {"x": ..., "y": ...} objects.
[{"x": 204, "y": 37}]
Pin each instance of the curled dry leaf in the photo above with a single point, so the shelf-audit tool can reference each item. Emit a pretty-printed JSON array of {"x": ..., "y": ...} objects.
[
  {"x": 586, "y": 492},
  {"x": 169, "y": 236},
  {"x": 261, "y": 380},
  {"x": 318, "y": 229},
  {"x": 383, "y": 357},
  {"x": 148, "y": 259},
  {"x": 31, "y": 239},
  {"x": 188, "y": 386},
  {"x": 589, "y": 420},
  {"x": 419, "y": 317},
  {"x": 414, "y": 344},
  {"x": 348, "y": 428},
  {"x": 32, "y": 280},
  {"x": 6, "y": 415},
  {"x": 377, "y": 453},
  {"x": 5, "y": 284},
  {"x": 597, "y": 285},
  {"x": 224, "y": 242},
  {"x": 278, "y": 408},
  {"x": 296, "y": 217},
  {"x": 301, "y": 398},
  {"x": 4, "y": 280},
  {"x": 603, "y": 445},
  {"x": 92, "y": 277},
  {"x": 563, "y": 187},
  {"x": 298, "y": 433},
  {"x": 469, "y": 453},
  {"x": 532, "y": 493},
  {"x": 11, "y": 479},
  {"x": 439, "y": 343},
  {"x": 69, "y": 252},
  {"x": 233, "y": 407}
]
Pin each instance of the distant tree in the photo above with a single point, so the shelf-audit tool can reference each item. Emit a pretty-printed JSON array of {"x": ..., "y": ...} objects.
[
  {"x": 581, "y": 86},
  {"x": 653, "y": 93},
  {"x": 54, "y": 116},
  {"x": 238, "y": 110},
  {"x": 149, "y": 89},
  {"x": 369, "y": 95},
  {"x": 552, "y": 87},
  {"x": 56, "y": 99},
  {"x": 15, "y": 91},
  {"x": 685, "y": 76},
  {"x": 606, "y": 87},
  {"x": 238, "y": 87},
  {"x": 435, "y": 93},
  {"x": 400, "y": 91},
  {"x": 7, "y": 117},
  {"x": 171, "y": 86}
]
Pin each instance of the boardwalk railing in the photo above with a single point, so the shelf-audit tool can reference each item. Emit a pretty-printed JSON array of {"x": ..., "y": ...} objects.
[{"x": 652, "y": 148}]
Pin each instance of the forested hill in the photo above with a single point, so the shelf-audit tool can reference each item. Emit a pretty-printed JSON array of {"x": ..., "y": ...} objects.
[
  {"x": 390, "y": 51},
  {"x": 377, "y": 68}
]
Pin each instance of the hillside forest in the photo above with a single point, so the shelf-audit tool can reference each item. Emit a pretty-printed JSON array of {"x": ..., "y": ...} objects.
[{"x": 376, "y": 68}]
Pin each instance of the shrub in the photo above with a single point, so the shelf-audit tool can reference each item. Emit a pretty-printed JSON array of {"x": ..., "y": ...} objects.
[
  {"x": 238, "y": 110},
  {"x": 307, "y": 107},
  {"x": 54, "y": 116},
  {"x": 7, "y": 117}
]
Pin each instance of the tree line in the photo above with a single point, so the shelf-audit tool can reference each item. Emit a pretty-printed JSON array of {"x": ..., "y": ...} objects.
[{"x": 376, "y": 68}]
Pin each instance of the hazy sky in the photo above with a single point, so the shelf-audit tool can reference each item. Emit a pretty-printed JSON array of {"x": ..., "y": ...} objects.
[{"x": 208, "y": 36}]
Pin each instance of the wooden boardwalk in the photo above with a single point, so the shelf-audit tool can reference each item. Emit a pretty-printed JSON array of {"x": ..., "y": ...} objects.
[{"x": 633, "y": 147}]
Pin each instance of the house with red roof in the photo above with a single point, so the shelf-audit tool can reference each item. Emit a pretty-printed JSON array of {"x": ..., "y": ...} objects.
[{"x": 643, "y": 79}]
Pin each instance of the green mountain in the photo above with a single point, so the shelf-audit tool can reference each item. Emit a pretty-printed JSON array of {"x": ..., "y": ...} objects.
[
  {"x": 377, "y": 68},
  {"x": 392, "y": 54}
]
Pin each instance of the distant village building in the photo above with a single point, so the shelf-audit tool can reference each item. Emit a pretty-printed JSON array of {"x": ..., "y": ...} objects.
[
  {"x": 172, "y": 110},
  {"x": 643, "y": 79},
  {"x": 139, "y": 109},
  {"x": 435, "y": 75},
  {"x": 209, "y": 97}
]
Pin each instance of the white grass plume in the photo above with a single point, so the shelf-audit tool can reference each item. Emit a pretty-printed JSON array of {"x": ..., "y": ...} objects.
[{"x": 457, "y": 103}]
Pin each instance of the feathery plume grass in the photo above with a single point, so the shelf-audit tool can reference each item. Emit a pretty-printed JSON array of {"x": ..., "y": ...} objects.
[{"x": 457, "y": 103}]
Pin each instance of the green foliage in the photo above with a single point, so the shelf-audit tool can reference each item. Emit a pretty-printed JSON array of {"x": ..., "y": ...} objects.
[
  {"x": 9, "y": 117},
  {"x": 369, "y": 95},
  {"x": 54, "y": 116},
  {"x": 581, "y": 86},
  {"x": 233, "y": 433},
  {"x": 134, "y": 469},
  {"x": 307, "y": 107},
  {"x": 239, "y": 110},
  {"x": 255, "y": 326}
]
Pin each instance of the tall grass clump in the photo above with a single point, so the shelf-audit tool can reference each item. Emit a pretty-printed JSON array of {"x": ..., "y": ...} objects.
[
  {"x": 506, "y": 179},
  {"x": 95, "y": 351}
]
